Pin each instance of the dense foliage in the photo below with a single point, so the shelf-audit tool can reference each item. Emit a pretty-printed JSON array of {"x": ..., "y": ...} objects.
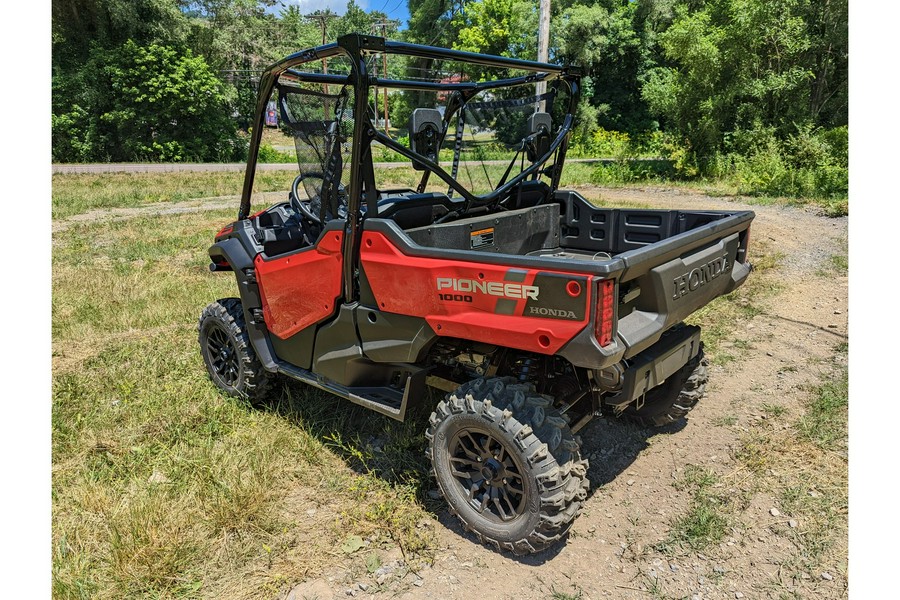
[
  {"x": 752, "y": 90},
  {"x": 170, "y": 80}
]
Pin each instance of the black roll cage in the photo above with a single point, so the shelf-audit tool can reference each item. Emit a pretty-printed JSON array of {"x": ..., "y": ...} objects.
[{"x": 356, "y": 48}]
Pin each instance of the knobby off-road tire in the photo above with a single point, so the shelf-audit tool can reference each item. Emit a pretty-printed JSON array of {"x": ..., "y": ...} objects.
[
  {"x": 676, "y": 396},
  {"x": 522, "y": 444},
  {"x": 225, "y": 347}
]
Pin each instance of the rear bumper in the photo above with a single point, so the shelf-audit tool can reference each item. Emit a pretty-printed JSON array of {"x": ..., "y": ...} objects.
[{"x": 657, "y": 363}]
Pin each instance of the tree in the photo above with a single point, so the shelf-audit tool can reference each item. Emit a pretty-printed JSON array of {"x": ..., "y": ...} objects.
[
  {"x": 159, "y": 104},
  {"x": 499, "y": 27},
  {"x": 733, "y": 66},
  {"x": 355, "y": 20},
  {"x": 79, "y": 25},
  {"x": 828, "y": 56},
  {"x": 431, "y": 21}
]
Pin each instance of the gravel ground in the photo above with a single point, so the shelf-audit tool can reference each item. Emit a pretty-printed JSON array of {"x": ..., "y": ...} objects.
[{"x": 613, "y": 549}]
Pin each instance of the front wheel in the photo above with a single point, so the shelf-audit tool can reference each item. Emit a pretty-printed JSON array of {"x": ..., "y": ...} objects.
[
  {"x": 225, "y": 347},
  {"x": 507, "y": 464}
]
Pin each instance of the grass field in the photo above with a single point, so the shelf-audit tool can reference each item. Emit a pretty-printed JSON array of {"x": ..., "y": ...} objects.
[
  {"x": 165, "y": 488},
  {"x": 77, "y": 194}
]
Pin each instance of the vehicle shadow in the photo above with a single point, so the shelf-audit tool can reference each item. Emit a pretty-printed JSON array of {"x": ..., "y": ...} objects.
[
  {"x": 394, "y": 451},
  {"x": 612, "y": 445}
]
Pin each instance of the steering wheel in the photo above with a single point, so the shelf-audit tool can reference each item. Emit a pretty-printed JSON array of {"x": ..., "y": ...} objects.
[{"x": 306, "y": 207}]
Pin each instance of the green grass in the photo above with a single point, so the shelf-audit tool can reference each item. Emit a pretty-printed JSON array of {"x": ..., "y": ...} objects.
[
  {"x": 825, "y": 421},
  {"x": 478, "y": 179},
  {"x": 706, "y": 520},
  {"x": 724, "y": 188},
  {"x": 165, "y": 488},
  {"x": 804, "y": 467},
  {"x": 773, "y": 410},
  {"x": 78, "y": 193},
  {"x": 74, "y": 194},
  {"x": 558, "y": 595},
  {"x": 830, "y": 207},
  {"x": 841, "y": 263},
  {"x": 838, "y": 264}
]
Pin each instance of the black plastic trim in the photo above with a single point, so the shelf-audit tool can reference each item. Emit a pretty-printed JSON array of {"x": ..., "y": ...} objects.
[{"x": 406, "y": 245}]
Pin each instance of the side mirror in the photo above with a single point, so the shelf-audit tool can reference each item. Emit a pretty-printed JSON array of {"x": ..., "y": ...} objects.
[
  {"x": 424, "y": 134},
  {"x": 539, "y": 126}
]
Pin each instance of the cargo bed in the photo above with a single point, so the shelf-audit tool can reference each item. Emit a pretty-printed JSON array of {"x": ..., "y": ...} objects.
[{"x": 666, "y": 263}]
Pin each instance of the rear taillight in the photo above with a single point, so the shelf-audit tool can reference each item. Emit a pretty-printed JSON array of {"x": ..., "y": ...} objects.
[{"x": 606, "y": 309}]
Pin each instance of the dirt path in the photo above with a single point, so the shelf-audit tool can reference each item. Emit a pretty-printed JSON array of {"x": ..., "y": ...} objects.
[
  {"x": 159, "y": 208},
  {"x": 613, "y": 550}
]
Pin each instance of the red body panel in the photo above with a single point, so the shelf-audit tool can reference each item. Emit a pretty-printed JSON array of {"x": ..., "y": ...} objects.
[
  {"x": 408, "y": 285},
  {"x": 300, "y": 289}
]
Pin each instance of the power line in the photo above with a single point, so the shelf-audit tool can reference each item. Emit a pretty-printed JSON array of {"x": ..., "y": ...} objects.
[
  {"x": 453, "y": 12},
  {"x": 396, "y": 6}
]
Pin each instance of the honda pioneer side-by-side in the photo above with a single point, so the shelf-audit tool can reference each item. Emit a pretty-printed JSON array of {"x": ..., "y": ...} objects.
[{"x": 467, "y": 269}]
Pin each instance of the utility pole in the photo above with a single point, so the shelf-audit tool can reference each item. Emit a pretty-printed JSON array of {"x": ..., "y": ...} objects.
[
  {"x": 322, "y": 19},
  {"x": 384, "y": 25},
  {"x": 543, "y": 44}
]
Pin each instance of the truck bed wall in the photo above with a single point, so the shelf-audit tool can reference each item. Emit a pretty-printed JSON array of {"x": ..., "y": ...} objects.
[
  {"x": 572, "y": 224},
  {"x": 584, "y": 226}
]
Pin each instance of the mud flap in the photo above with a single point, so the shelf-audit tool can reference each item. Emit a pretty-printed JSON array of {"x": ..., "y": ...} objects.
[{"x": 657, "y": 363}]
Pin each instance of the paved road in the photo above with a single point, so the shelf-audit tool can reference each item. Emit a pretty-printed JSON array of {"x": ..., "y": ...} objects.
[{"x": 199, "y": 167}]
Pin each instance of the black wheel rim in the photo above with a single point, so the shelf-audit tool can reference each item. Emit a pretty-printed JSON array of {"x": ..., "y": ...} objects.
[
  {"x": 223, "y": 356},
  {"x": 489, "y": 475}
]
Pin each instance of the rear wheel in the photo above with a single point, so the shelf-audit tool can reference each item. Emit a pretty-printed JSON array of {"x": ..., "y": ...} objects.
[
  {"x": 225, "y": 347},
  {"x": 675, "y": 397},
  {"x": 507, "y": 464}
]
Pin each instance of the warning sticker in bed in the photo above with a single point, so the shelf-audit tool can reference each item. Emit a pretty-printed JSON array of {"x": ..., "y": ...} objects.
[{"x": 481, "y": 238}]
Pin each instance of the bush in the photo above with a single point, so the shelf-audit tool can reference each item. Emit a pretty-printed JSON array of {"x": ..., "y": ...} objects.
[
  {"x": 70, "y": 136},
  {"x": 601, "y": 143},
  {"x": 153, "y": 103},
  {"x": 837, "y": 139},
  {"x": 268, "y": 154},
  {"x": 631, "y": 170},
  {"x": 807, "y": 164}
]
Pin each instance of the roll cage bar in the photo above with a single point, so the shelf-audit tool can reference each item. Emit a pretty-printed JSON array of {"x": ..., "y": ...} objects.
[{"x": 356, "y": 48}]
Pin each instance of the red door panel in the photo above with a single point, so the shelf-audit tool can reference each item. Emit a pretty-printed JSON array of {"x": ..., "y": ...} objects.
[{"x": 300, "y": 289}]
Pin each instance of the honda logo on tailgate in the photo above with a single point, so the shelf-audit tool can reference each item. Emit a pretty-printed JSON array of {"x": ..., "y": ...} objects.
[{"x": 690, "y": 281}]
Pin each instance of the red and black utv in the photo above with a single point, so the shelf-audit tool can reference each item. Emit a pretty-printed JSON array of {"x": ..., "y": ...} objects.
[{"x": 532, "y": 308}]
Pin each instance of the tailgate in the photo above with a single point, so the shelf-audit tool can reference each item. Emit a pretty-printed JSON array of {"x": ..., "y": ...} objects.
[{"x": 665, "y": 282}]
